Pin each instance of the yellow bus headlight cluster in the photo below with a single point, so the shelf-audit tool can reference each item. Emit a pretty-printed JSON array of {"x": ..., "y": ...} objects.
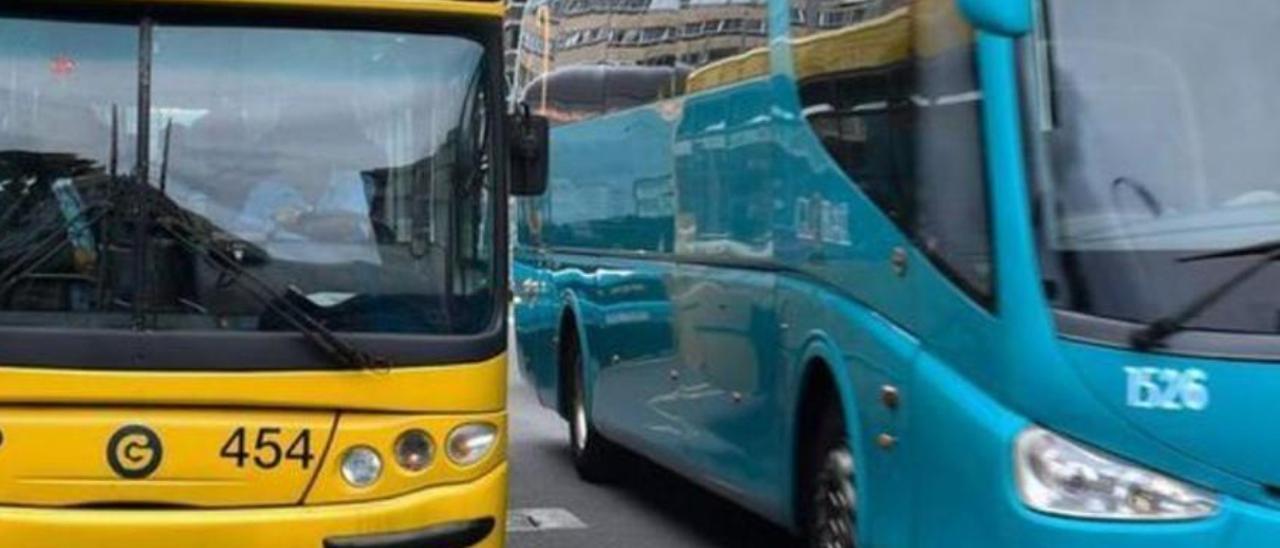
[{"x": 377, "y": 456}]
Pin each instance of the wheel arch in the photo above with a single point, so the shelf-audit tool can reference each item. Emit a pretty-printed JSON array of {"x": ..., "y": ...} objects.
[
  {"x": 570, "y": 322},
  {"x": 822, "y": 377}
]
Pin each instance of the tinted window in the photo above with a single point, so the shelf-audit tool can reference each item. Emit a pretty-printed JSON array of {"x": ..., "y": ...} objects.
[{"x": 891, "y": 89}]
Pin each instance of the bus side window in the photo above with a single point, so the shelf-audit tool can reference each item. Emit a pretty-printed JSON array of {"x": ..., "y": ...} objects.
[{"x": 890, "y": 89}]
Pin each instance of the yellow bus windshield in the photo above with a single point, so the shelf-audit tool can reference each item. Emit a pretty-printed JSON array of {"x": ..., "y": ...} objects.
[{"x": 343, "y": 170}]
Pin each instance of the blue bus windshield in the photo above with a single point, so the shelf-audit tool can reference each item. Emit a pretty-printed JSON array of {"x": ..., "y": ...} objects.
[{"x": 1154, "y": 136}]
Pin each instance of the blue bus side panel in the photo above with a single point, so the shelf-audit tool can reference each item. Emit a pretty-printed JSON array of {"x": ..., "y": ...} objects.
[
  {"x": 537, "y": 316},
  {"x": 724, "y": 311},
  {"x": 637, "y": 400}
]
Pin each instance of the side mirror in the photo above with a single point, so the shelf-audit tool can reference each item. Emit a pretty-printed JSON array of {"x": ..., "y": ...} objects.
[
  {"x": 530, "y": 135},
  {"x": 1006, "y": 17}
]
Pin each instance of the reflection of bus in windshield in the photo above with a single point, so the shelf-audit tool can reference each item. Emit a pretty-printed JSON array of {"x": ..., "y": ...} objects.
[
  {"x": 256, "y": 267},
  {"x": 936, "y": 273}
]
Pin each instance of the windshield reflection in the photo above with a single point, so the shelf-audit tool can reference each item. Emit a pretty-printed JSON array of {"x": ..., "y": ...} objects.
[
  {"x": 1152, "y": 124},
  {"x": 1157, "y": 129},
  {"x": 346, "y": 167}
]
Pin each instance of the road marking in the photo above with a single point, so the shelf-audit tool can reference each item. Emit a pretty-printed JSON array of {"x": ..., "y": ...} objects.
[{"x": 524, "y": 520}]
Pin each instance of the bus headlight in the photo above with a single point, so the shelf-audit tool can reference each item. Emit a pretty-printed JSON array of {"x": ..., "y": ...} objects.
[
  {"x": 414, "y": 450},
  {"x": 469, "y": 443},
  {"x": 1058, "y": 476},
  {"x": 361, "y": 466}
]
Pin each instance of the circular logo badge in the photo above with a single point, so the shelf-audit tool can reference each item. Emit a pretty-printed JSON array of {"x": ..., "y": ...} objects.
[{"x": 134, "y": 452}]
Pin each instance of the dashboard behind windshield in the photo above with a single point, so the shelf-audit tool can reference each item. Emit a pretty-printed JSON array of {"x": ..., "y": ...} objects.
[{"x": 347, "y": 170}]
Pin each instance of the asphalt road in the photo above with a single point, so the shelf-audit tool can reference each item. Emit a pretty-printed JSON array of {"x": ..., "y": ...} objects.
[{"x": 649, "y": 507}]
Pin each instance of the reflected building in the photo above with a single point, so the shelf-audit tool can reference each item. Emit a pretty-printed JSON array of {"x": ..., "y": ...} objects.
[
  {"x": 810, "y": 17},
  {"x": 511, "y": 40},
  {"x": 664, "y": 33}
]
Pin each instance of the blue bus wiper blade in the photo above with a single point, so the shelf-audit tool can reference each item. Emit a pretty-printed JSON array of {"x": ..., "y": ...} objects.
[
  {"x": 1154, "y": 333},
  {"x": 1242, "y": 251}
]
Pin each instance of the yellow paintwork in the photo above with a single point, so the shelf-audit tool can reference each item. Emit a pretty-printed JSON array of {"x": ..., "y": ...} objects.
[
  {"x": 59, "y": 457},
  {"x": 877, "y": 42},
  {"x": 739, "y": 68},
  {"x": 291, "y": 527},
  {"x": 466, "y": 388},
  {"x": 380, "y": 432},
  {"x": 874, "y": 43},
  {"x": 885, "y": 40},
  {"x": 488, "y": 8},
  {"x": 55, "y": 455}
]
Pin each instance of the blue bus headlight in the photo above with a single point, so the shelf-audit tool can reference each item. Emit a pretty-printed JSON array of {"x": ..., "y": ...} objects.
[{"x": 1058, "y": 476}]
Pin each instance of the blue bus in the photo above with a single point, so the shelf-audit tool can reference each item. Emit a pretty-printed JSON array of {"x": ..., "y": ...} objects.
[{"x": 916, "y": 272}]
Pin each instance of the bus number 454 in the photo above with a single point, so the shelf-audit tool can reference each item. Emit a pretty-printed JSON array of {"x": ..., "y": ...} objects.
[
  {"x": 1166, "y": 389},
  {"x": 267, "y": 450}
]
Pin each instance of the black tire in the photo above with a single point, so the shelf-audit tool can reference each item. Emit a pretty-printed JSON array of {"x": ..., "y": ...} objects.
[
  {"x": 594, "y": 457},
  {"x": 831, "y": 497}
]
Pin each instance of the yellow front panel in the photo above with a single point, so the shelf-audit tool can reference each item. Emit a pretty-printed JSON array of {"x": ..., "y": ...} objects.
[
  {"x": 64, "y": 456},
  {"x": 296, "y": 527},
  {"x": 463, "y": 388}
]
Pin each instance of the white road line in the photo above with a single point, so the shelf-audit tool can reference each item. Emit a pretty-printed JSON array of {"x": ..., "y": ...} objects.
[{"x": 524, "y": 520}]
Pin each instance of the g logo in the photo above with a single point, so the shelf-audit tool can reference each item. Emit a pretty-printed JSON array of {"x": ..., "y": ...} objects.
[{"x": 134, "y": 452}]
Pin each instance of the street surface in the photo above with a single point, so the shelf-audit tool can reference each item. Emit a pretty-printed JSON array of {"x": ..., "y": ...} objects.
[{"x": 650, "y": 507}]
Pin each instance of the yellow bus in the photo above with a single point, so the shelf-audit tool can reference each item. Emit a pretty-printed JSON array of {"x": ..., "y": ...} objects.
[{"x": 253, "y": 272}]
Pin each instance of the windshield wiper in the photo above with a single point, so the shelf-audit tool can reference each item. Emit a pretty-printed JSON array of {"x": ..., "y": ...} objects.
[
  {"x": 39, "y": 253},
  {"x": 1154, "y": 333},
  {"x": 339, "y": 350},
  {"x": 47, "y": 171}
]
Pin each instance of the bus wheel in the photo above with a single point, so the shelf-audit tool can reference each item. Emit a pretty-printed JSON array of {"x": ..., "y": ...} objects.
[
  {"x": 834, "y": 497},
  {"x": 593, "y": 455}
]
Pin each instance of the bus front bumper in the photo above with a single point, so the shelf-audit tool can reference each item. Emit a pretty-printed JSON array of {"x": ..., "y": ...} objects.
[
  {"x": 962, "y": 444},
  {"x": 453, "y": 516}
]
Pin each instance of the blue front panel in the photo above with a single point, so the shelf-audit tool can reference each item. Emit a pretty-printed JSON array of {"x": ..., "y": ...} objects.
[
  {"x": 1199, "y": 407},
  {"x": 976, "y": 391},
  {"x": 962, "y": 463}
]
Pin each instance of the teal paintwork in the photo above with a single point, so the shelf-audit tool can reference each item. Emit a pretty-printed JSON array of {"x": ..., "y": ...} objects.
[
  {"x": 709, "y": 299},
  {"x": 1006, "y": 17}
]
